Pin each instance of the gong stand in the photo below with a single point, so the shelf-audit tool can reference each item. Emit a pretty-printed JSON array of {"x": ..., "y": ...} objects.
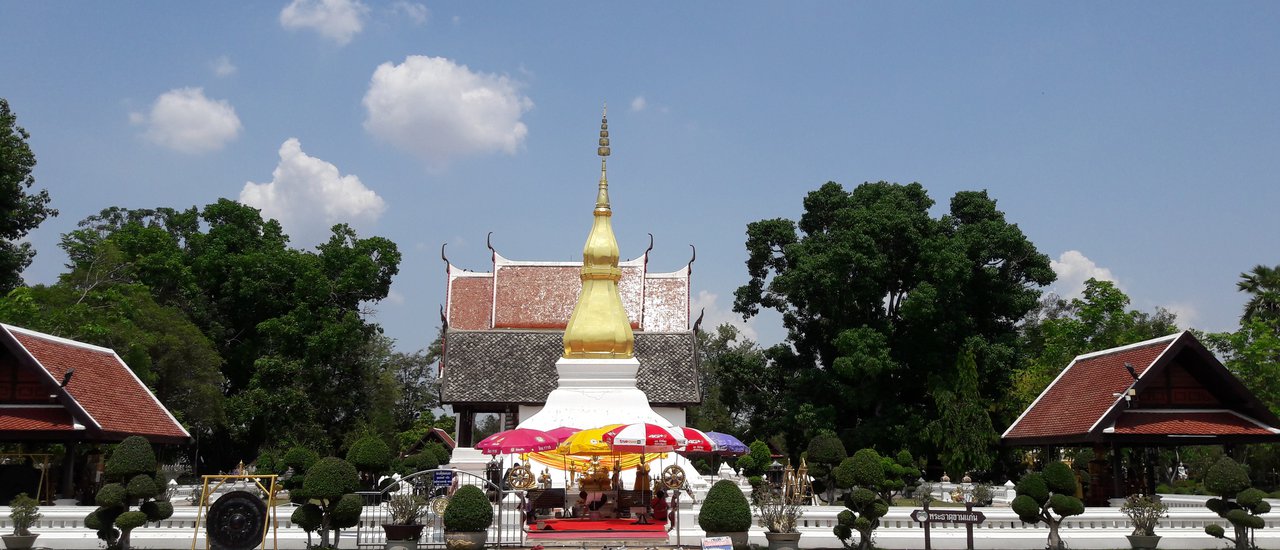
[{"x": 238, "y": 515}]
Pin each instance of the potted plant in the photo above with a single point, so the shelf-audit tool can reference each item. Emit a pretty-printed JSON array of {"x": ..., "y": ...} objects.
[
  {"x": 467, "y": 519},
  {"x": 726, "y": 513},
  {"x": 406, "y": 510},
  {"x": 778, "y": 516},
  {"x": 1145, "y": 512},
  {"x": 24, "y": 513}
]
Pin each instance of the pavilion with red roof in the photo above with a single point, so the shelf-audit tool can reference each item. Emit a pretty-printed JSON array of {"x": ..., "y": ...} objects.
[
  {"x": 57, "y": 390},
  {"x": 1165, "y": 392}
]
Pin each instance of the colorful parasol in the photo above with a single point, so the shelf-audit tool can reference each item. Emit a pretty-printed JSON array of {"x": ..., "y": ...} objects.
[
  {"x": 563, "y": 432},
  {"x": 726, "y": 444},
  {"x": 587, "y": 442},
  {"x": 644, "y": 438},
  {"x": 696, "y": 441},
  {"x": 517, "y": 441}
]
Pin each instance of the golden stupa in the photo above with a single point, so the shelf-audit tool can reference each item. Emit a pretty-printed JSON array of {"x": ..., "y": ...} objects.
[{"x": 599, "y": 327}]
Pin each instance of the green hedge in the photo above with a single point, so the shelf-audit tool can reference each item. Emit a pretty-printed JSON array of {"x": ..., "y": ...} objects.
[
  {"x": 725, "y": 510},
  {"x": 468, "y": 511}
]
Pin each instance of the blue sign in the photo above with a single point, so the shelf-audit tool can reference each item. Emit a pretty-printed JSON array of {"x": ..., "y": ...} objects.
[{"x": 443, "y": 478}]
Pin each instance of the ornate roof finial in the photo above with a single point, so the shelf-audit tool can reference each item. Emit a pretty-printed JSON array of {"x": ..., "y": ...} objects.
[{"x": 599, "y": 327}]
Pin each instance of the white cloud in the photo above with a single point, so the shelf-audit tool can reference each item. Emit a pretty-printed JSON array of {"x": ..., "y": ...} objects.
[
  {"x": 715, "y": 316},
  {"x": 639, "y": 103},
  {"x": 439, "y": 110},
  {"x": 1073, "y": 269},
  {"x": 337, "y": 20},
  {"x": 1188, "y": 314},
  {"x": 183, "y": 119},
  {"x": 308, "y": 195},
  {"x": 222, "y": 66},
  {"x": 413, "y": 11}
]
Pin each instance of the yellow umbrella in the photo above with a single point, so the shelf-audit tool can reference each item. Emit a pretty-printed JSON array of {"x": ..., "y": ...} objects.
[{"x": 587, "y": 442}]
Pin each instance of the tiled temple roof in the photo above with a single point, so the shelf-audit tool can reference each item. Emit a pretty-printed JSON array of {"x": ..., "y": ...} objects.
[{"x": 519, "y": 366}]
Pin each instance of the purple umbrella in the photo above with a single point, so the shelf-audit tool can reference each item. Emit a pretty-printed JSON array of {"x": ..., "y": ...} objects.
[{"x": 726, "y": 444}]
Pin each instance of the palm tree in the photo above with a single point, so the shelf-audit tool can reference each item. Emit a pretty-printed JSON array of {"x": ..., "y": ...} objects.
[{"x": 1263, "y": 283}]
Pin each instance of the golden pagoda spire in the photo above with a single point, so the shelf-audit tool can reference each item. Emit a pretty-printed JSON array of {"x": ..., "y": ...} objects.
[{"x": 599, "y": 327}]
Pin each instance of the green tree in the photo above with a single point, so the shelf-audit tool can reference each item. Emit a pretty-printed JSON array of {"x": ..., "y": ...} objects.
[
  {"x": 1048, "y": 497},
  {"x": 736, "y": 388},
  {"x": 864, "y": 506},
  {"x": 132, "y": 481},
  {"x": 1262, "y": 284},
  {"x": 824, "y": 454},
  {"x": 879, "y": 298},
  {"x": 963, "y": 432},
  {"x": 20, "y": 210},
  {"x": 1238, "y": 503}
]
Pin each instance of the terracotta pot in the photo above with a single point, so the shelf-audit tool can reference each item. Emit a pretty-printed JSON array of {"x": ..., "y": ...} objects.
[
  {"x": 1143, "y": 542},
  {"x": 465, "y": 540},
  {"x": 19, "y": 542},
  {"x": 783, "y": 541},
  {"x": 739, "y": 538}
]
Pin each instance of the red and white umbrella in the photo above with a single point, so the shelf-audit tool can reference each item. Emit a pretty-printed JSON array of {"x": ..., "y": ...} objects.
[
  {"x": 695, "y": 441},
  {"x": 563, "y": 432},
  {"x": 644, "y": 438},
  {"x": 517, "y": 441}
]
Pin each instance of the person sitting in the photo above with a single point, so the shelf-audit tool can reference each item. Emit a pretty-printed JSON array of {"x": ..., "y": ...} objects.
[
  {"x": 595, "y": 501},
  {"x": 659, "y": 506}
]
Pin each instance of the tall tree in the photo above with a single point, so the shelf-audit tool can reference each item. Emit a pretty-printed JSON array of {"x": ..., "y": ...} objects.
[
  {"x": 1263, "y": 286},
  {"x": 20, "y": 210},
  {"x": 879, "y": 298}
]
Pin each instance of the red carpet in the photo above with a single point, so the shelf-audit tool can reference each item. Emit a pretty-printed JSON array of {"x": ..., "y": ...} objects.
[{"x": 585, "y": 528}]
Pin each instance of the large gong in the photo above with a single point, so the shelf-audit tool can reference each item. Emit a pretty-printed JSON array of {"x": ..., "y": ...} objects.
[{"x": 236, "y": 521}]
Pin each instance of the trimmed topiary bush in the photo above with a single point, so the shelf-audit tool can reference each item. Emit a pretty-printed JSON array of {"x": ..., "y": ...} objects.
[
  {"x": 1043, "y": 494},
  {"x": 1225, "y": 478},
  {"x": 864, "y": 472},
  {"x": 468, "y": 511},
  {"x": 131, "y": 473},
  {"x": 725, "y": 510},
  {"x": 24, "y": 512},
  {"x": 371, "y": 457},
  {"x": 825, "y": 453},
  {"x": 330, "y": 482}
]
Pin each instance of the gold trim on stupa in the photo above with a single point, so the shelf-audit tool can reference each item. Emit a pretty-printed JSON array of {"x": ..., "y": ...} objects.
[{"x": 599, "y": 327}]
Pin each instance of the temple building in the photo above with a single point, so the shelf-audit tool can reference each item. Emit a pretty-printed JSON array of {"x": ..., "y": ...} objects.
[{"x": 505, "y": 331}]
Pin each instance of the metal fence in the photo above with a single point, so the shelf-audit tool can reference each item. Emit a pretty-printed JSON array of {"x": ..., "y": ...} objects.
[{"x": 435, "y": 486}]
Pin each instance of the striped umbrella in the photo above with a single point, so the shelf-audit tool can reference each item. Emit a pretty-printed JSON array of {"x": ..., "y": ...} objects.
[
  {"x": 696, "y": 442},
  {"x": 644, "y": 438},
  {"x": 563, "y": 432}
]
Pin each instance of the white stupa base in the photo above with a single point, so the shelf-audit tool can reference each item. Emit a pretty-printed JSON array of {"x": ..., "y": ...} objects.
[{"x": 597, "y": 392}]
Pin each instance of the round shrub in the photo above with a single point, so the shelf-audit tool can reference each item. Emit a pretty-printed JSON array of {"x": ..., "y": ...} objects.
[
  {"x": 826, "y": 448},
  {"x": 1033, "y": 486},
  {"x": 725, "y": 510},
  {"x": 300, "y": 459},
  {"x": 1027, "y": 508},
  {"x": 1226, "y": 478},
  {"x": 308, "y": 517},
  {"x": 370, "y": 454},
  {"x": 108, "y": 534},
  {"x": 1066, "y": 505},
  {"x": 157, "y": 510},
  {"x": 347, "y": 512},
  {"x": 111, "y": 494},
  {"x": 143, "y": 486},
  {"x": 867, "y": 468},
  {"x": 440, "y": 452},
  {"x": 92, "y": 521},
  {"x": 468, "y": 511},
  {"x": 418, "y": 462},
  {"x": 1059, "y": 478},
  {"x": 330, "y": 478},
  {"x": 131, "y": 457},
  {"x": 1250, "y": 497},
  {"x": 131, "y": 520}
]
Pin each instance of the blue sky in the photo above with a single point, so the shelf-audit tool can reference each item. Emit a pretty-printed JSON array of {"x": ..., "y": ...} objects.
[{"x": 1136, "y": 141}]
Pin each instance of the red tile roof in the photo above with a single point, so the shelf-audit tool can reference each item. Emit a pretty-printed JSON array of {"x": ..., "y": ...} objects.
[
  {"x": 36, "y": 419},
  {"x": 541, "y": 295},
  {"x": 1188, "y": 423},
  {"x": 1085, "y": 391},
  {"x": 116, "y": 403},
  {"x": 1086, "y": 403}
]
